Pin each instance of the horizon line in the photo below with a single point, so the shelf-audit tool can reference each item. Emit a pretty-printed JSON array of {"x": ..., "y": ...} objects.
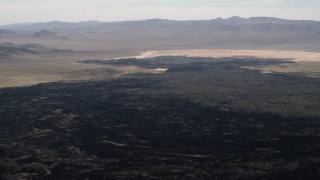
[{"x": 132, "y": 20}]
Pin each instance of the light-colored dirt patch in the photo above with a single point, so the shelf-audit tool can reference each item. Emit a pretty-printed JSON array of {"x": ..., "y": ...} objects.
[
  {"x": 160, "y": 70},
  {"x": 30, "y": 70},
  {"x": 306, "y": 68},
  {"x": 216, "y": 53},
  {"x": 126, "y": 70},
  {"x": 306, "y": 63}
]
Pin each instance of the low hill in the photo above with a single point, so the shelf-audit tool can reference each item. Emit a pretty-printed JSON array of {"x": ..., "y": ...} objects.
[
  {"x": 7, "y": 50},
  {"x": 46, "y": 34},
  {"x": 4, "y": 32}
]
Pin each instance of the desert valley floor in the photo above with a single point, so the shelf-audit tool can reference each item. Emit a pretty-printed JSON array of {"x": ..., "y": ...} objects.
[{"x": 161, "y": 115}]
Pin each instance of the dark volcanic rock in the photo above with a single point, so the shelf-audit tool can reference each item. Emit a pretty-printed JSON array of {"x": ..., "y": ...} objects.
[{"x": 164, "y": 126}]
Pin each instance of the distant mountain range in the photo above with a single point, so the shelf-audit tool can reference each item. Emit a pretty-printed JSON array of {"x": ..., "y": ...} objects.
[
  {"x": 235, "y": 21},
  {"x": 234, "y": 32},
  {"x": 52, "y": 24}
]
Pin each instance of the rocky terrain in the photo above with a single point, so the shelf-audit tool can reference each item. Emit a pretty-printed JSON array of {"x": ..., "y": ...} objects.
[{"x": 203, "y": 118}]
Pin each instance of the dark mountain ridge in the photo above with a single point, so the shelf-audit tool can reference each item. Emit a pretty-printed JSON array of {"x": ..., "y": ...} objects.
[
  {"x": 235, "y": 20},
  {"x": 46, "y": 34},
  {"x": 6, "y": 50},
  {"x": 230, "y": 33}
]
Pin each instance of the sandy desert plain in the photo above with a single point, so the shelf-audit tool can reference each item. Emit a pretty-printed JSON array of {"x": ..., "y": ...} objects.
[{"x": 25, "y": 70}]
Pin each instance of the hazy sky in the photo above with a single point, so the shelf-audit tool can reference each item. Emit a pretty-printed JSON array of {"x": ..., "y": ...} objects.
[{"x": 17, "y": 11}]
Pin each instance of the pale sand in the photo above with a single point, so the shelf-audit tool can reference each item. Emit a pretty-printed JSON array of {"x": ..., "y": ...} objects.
[
  {"x": 219, "y": 53},
  {"x": 34, "y": 69},
  {"x": 307, "y": 63},
  {"x": 30, "y": 70}
]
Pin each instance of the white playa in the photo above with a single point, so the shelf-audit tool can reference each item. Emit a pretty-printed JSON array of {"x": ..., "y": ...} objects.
[{"x": 214, "y": 53}]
